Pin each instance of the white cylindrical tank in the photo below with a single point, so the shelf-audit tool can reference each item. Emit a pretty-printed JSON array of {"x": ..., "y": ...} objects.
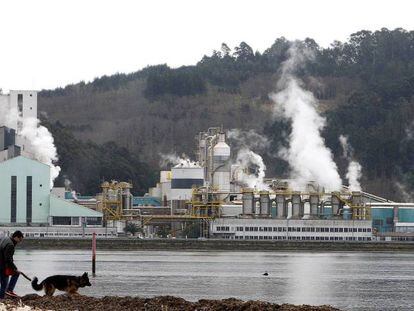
[{"x": 221, "y": 164}]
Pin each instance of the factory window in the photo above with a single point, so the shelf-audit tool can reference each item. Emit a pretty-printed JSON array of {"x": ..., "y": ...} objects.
[
  {"x": 369, "y": 230},
  {"x": 354, "y": 230},
  {"x": 61, "y": 221},
  {"x": 95, "y": 221},
  {"x": 29, "y": 191},
  {"x": 336, "y": 229},
  {"x": 389, "y": 221},
  {"x": 13, "y": 199},
  {"x": 75, "y": 221},
  {"x": 341, "y": 229},
  {"x": 260, "y": 228},
  {"x": 359, "y": 229},
  {"x": 256, "y": 228},
  {"x": 345, "y": 229},
  {"x": 20, "y": 103},
  {"x": 298, "y": 229},
  {"x": 290, "y": 229}
]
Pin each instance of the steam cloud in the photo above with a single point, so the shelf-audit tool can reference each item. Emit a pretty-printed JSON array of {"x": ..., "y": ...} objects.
[
  {"x": 250, "y": 139},
  {"x": 353, "y": 173},
  {"x": 307, "y": 155},
  {"x": 40, "y": 141},
  {"x": 244, "y": 142},
  {"x": 246, "y": 158},
  {"x": 172, "y": 158}
]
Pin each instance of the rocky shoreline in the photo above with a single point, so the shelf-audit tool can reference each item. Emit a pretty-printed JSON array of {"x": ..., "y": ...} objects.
[{"x": 162, "y": 303}]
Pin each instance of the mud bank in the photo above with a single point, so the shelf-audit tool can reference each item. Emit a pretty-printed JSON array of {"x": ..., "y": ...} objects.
[
  {"x": 228, "y": 245},
  {"x": 163, "y": 303}
]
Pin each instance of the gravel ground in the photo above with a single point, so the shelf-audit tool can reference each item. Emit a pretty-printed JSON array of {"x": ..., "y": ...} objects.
[{"x": 162, "y": 303}]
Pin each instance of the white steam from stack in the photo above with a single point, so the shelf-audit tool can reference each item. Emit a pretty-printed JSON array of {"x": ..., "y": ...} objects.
[
  {"x": 172, "y": 158},
  {"x": 308, "y": 157},
  {"x": 353, "y": 173},
  {"x": 246, "y": 158},
  {"x": 39, "y": 141}
]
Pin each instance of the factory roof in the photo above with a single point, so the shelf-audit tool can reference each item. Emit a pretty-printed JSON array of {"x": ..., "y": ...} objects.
[
  {"x": 146, "y": 201},
  {"x": 59, "y": 207}
]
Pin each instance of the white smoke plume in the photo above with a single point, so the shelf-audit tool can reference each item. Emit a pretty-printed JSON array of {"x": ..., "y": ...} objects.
[
  {"x": 308, "y": 157},
  {"x": 249, "y": 139},
  {"x": 353, "y": 173},
  {"x": 247, "y": 159},
  {"x": 243, "y": 142},
  {"x": 172, "y": 158},
  {"x": 41, "y": 145},
  {"x": 405, "y": 193}
]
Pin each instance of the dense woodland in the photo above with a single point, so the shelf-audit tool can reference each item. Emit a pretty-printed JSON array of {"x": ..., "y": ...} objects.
[{"x": 365, "y": 87}]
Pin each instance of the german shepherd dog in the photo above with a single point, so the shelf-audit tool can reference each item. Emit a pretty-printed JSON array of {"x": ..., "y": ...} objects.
[{"x": 66, "y": 283}]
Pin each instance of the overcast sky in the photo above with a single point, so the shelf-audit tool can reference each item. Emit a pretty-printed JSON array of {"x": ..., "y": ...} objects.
[{"x": 46, "y": 44}]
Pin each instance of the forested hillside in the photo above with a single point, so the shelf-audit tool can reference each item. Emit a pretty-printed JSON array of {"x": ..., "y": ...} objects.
[{"x": 365, "y": 87}]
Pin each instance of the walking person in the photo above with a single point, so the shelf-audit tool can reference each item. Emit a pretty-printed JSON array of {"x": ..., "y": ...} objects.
[{"x": 7, "y": 266}]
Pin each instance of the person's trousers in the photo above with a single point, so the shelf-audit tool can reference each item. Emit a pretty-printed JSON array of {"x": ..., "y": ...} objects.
[{"x": 6, "y": 284}]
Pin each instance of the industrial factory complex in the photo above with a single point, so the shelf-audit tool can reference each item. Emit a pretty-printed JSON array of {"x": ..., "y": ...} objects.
[{"x": 209, "y": 195}]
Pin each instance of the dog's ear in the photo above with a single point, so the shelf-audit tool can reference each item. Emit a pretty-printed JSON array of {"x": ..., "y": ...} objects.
[{"x": 85, "y": 274}]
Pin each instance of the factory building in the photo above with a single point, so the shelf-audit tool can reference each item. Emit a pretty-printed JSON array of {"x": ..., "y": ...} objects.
[
  {"x": 212, "y": 190},
  {"x": 291, "y": 229},
  {"x": 26, "y": 200}
]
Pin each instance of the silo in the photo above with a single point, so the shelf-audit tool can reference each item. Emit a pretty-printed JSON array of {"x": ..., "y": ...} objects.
[
  {"x": 314, "y": 204},
  {"x": 248, "y": 202},
  {"x": 297, "y": 207},
  {"x": 281, "y": 207},
  {"x": 264, "y": 203},
  {"x": 221, "y": 164}
]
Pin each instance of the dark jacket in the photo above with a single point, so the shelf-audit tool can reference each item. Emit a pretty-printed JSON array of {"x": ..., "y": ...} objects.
[{"x": 6, "y": 253}]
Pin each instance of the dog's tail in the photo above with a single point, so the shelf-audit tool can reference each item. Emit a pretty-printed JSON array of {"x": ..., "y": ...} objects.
[{"x": 37, "y": 286}]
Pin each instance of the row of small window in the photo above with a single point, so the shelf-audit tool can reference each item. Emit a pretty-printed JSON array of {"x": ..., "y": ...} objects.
[
  {"x": 75, "y": 221},
  {"x": 63, "y": 234},
  {"x": 298, "y": 229},
  {"x": 298, "y": 238},
  {"x": 223, "y": 228}
]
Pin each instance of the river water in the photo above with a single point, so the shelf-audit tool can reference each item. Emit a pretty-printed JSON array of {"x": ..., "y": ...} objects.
[{"x": 347, "y": 280}]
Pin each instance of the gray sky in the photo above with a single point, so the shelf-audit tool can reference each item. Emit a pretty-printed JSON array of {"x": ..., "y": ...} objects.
[{"x": 51, "y": 43}]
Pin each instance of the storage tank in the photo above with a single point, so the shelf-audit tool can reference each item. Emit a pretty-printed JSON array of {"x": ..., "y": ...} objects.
[
  {"x": 264, "y": 203},
  {"x": 297, "y": 206},
  {"x": 314, "y": 205},
  {"x": 221, "y": 164},
  {"x": 248, "y": 202},
  {"x": 281, "y": 207}
]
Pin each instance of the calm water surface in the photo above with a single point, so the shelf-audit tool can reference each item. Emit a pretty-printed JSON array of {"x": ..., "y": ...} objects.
[{"x": 347, "y": 280}]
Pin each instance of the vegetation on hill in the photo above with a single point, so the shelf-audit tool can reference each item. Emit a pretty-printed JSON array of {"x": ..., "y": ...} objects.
[
  {"x": 86, "y": 165},
  {"x": 365, "y": 87}
]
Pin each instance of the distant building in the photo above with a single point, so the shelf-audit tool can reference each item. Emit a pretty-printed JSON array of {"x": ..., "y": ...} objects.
[{"x": 26, "y": 201}]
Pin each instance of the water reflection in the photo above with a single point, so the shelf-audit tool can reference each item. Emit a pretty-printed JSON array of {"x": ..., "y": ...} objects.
[{"x": 351, "y": 281}]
